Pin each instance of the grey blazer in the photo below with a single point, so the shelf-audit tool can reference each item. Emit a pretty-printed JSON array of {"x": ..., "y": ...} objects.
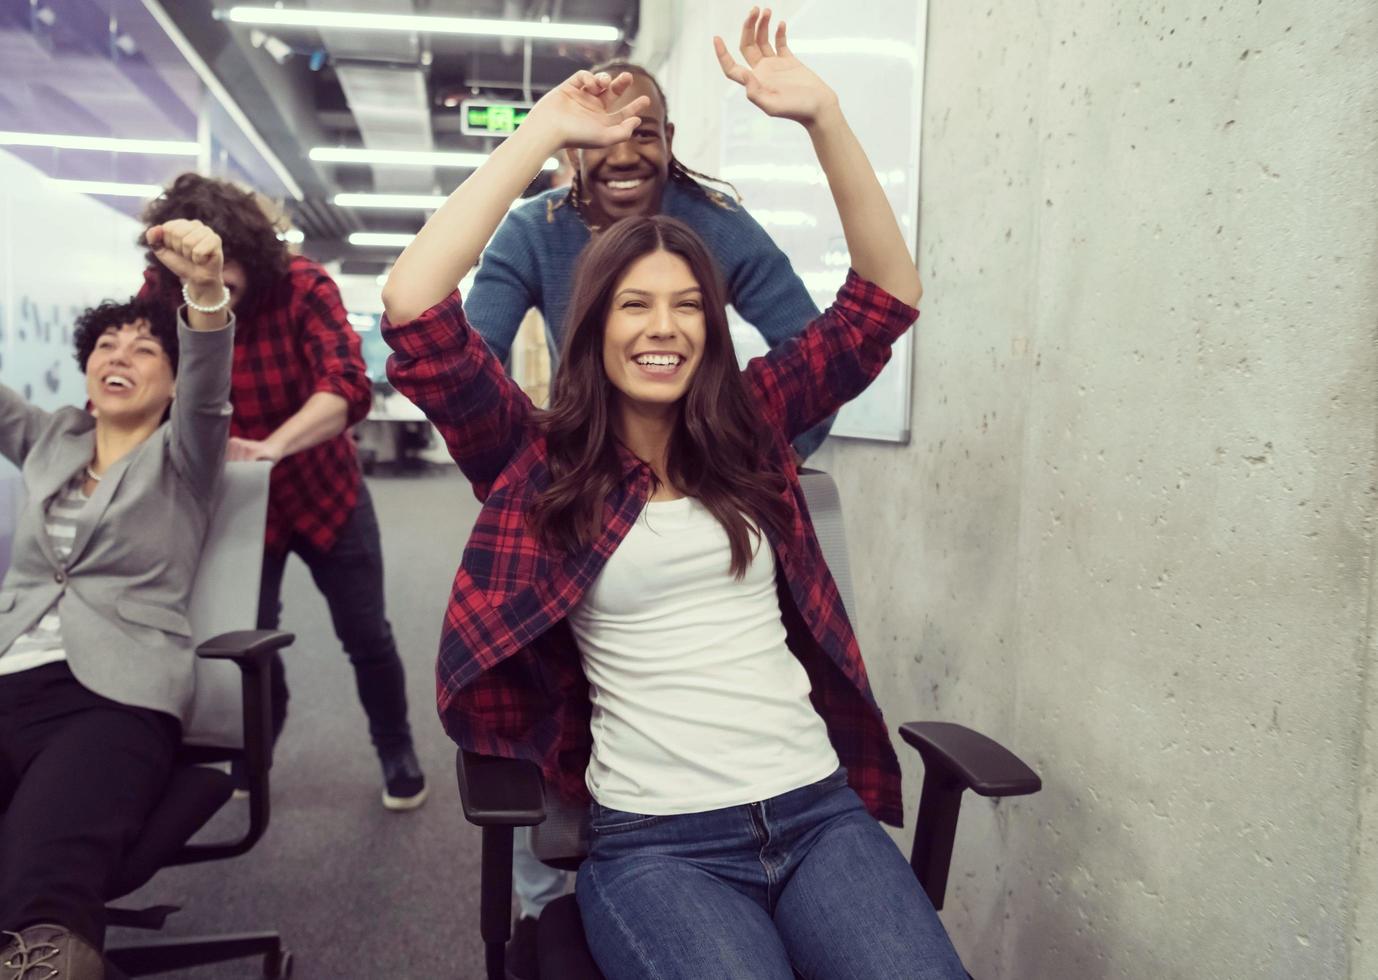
[{"x": 122, "y": 594}]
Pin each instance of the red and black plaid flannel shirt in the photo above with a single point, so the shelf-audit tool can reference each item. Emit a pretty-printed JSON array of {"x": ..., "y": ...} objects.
[
  {"x": 509, "y": 678},
  {"x": 295, "y": 341}
]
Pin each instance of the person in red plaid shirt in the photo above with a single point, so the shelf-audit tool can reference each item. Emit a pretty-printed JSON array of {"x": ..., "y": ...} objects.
[
  {"x": 643, "y": 608},
  {"x": 299, "y": 383}
]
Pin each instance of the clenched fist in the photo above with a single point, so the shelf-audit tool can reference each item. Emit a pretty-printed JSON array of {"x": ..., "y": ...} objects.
[{"x": 192, "y": 252}]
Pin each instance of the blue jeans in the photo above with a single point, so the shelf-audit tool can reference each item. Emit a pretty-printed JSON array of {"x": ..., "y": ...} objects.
[
  {"x": 537, "y": 884},
  {"x": 806, "y": 881}
]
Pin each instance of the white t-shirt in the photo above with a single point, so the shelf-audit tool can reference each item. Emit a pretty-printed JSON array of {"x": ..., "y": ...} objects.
[{"x": 698, "y": 702}]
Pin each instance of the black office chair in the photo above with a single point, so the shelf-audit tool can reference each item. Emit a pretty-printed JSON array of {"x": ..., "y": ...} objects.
[
  {"x": 500, "y": 794},
  {"x": 195, "y": 792},
  {"x": 230, "y": 723}
]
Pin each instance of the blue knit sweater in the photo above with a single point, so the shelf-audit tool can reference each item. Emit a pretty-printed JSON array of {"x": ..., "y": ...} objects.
[{"x": 530, "y": 262}]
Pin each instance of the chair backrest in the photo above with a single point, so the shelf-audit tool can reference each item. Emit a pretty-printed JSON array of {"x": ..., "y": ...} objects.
[
  {"x": 224, "y": 598},
  {"x": 563, "y": 840},
  {"x": 825, "y": 509}
]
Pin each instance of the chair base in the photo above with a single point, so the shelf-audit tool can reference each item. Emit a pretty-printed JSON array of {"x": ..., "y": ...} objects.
[{"x": 160, "y": 956}]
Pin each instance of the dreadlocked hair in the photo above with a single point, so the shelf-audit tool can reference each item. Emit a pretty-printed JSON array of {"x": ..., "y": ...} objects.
[{"x": 679, "y": 173}]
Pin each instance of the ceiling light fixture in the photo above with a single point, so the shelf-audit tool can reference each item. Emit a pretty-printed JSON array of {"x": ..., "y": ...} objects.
[
  {"x": 423, "y": 202},
  {"x": 407, "y": 158},
  {"x": 422, "y": 24},
  {"x": 381, "y": 239},
  {"x": 109, "y": 144},
  {"x": 106, "y": 188}
]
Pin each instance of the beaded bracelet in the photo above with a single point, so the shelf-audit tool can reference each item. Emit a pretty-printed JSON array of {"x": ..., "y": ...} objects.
[{"x": 224, "y": 301}]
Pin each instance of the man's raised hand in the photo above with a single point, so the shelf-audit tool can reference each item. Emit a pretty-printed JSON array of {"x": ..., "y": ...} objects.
[{"x": 579, "y": 111}]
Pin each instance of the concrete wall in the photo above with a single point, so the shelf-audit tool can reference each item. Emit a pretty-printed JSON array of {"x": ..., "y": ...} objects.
[{"x": 1132, "y": 535}]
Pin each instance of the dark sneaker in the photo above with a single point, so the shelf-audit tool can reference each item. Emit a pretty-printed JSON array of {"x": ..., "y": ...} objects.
[
  {"x": 521, "y": 951},
  {"x": 48, "y": 951},
  {"x": 404, "y": 787}
]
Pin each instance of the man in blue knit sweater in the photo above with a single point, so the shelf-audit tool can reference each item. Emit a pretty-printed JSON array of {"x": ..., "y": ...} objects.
[{"x": 530, "y": 262}]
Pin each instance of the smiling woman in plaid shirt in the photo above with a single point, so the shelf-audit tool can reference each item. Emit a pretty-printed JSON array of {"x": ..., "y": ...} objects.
[
  {"x": 299, "y": 382},
  {"x": 643, "y": 608}
]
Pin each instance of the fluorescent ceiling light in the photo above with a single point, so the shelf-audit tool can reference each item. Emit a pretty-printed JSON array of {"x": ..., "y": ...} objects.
[
  {"x": 107, "y": 188},
  {"x": 294, "y": 235},
  {"x": 424, "y": 202},
  {"x": 381, "y": 239},
  {"x": 406, "y": 158},
  {"x": 110, "y": 144},
  {"x": 422, "y": 24}
]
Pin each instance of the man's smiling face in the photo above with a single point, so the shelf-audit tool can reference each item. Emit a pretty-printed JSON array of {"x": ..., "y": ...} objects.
[{"x": 629, "y": 178}]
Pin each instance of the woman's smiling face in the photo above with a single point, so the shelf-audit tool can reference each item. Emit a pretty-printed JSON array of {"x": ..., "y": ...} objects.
[
  {"x": 654, "y": 335},
  {"x": 129, "y": 376}
]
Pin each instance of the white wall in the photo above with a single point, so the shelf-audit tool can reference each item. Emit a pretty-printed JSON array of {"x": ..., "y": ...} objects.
[
  {"x": 1132, "y": 536},
  {"x": 59, "y": 253}
]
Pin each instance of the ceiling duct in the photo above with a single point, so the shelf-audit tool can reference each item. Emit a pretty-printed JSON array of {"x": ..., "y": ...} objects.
[{"x": 390, "y": 104}]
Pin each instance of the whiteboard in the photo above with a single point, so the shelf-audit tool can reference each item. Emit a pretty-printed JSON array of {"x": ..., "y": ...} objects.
[{"x": 872, "y": 55}]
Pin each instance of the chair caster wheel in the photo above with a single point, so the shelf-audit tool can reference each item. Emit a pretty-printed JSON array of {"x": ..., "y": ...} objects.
[{"x": 278, "y": 966}]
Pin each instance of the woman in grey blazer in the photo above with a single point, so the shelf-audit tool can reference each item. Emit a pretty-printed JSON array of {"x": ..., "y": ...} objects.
[{"x": 95, "y": 651}]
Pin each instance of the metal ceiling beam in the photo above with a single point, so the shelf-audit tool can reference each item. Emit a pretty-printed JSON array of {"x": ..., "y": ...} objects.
[{"x": 285, "y": 130}]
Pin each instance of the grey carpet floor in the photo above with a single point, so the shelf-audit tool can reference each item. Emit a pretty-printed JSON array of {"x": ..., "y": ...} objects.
[{"x": 356, "y": 891}]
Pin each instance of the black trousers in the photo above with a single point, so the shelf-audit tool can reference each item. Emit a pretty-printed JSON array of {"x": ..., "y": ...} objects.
[
  {"x": 79, "y": 775},
  {"x": 350, "y": 576}
]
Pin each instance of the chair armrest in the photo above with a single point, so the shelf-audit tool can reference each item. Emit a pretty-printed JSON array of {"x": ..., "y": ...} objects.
[
  {"x": 955, "y": 759},
  {"x": 251, "y": 651},
  {"x": 499, "y": 792},
  {"x": 970, "y": 759},
  {"x": 247, "y": 647}
]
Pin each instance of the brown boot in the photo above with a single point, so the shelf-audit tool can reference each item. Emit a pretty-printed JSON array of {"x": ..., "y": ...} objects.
[{"x": 49, "y": 952}]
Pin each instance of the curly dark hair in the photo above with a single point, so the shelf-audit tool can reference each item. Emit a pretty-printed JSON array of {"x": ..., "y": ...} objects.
[
  {"x": 162, "y": 324},
  {"x": 249, "y": 234}
]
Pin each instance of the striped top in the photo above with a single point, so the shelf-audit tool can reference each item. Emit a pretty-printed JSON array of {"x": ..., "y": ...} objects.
[{"x": 43, "y": 643}]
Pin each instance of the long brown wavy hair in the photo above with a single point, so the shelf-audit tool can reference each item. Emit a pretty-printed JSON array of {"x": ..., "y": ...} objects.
[{"x": 718, "y": 447}]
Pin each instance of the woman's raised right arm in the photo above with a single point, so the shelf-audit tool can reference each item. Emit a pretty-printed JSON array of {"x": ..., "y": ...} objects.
[
  {"x": 574, "y": 114},
  {"x": 806, "y": 379},
  {"x": 439, "y": 362}
]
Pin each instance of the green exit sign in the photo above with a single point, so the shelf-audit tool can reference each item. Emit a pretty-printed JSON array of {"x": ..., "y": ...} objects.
[{"x": 483, "y": 118}]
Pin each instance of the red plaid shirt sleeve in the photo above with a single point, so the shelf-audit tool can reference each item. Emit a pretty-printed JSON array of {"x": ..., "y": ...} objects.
[
  {"x": 445, "y": 368},
  {"x": 331, "y": 348},
  {"x": 810, "y": 376},
  {"x": 292, "y": 340}
]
